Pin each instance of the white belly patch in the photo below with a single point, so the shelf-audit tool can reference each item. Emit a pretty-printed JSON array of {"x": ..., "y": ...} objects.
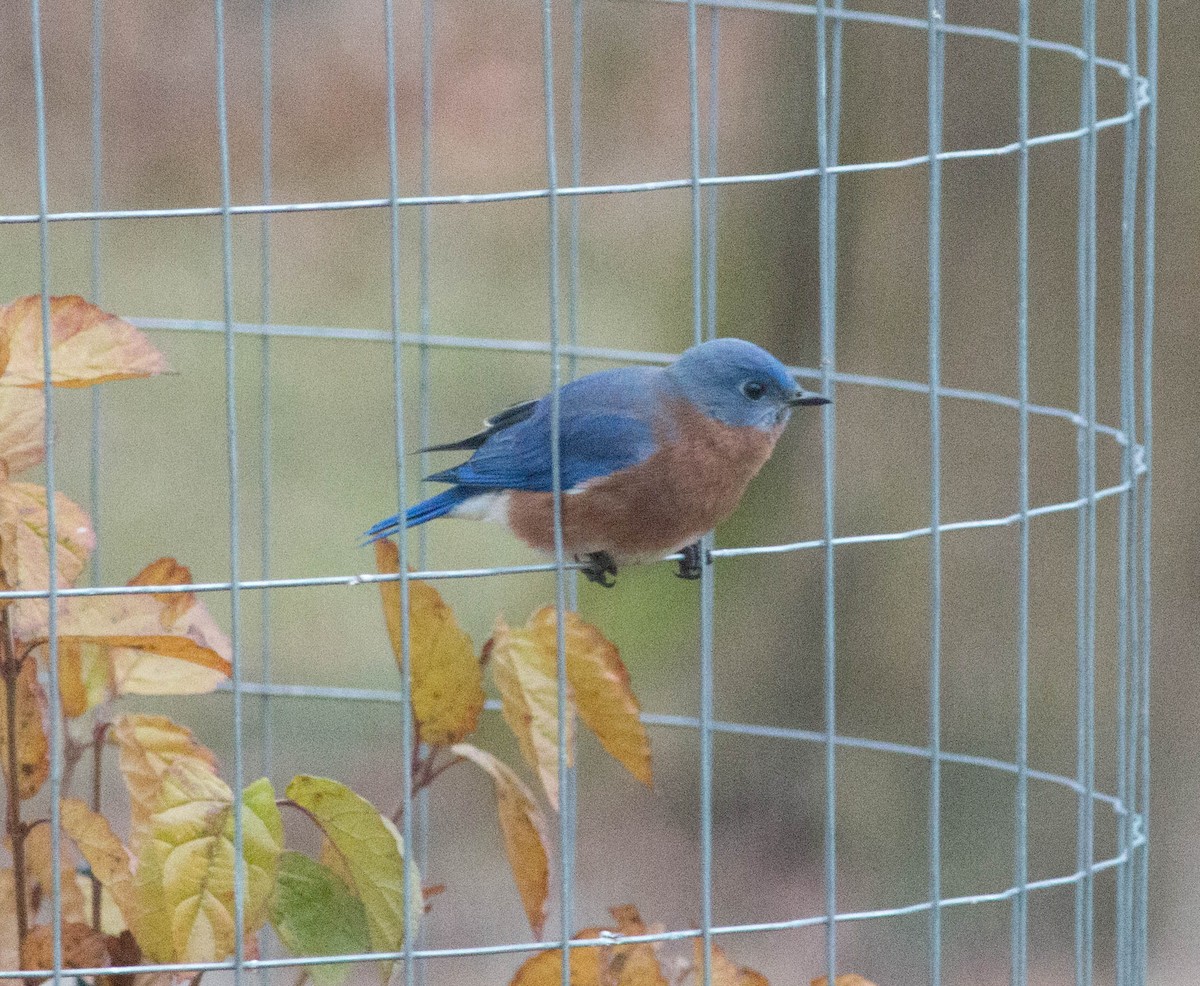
[{"x": 485, "y": 506}]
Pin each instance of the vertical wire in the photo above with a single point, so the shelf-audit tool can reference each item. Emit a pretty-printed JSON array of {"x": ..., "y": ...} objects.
[
  {"x": 235, "y": 605},
  {"x": 406, "y": 713},
  {"x": 424, "y": 383},
  {"x": 573, "y": 245},
  {"x": 1086, "y": 559},
  {"x": 265, "y": 424},
  {"x": 1126, "y": 614},
  {"x": 714, "y": 110},
  {"x": 936, "y": 42},
  {"x": 566, "y": 820},
  {"x": 1020, "y": 912},
  {"x": 52, "y": 684},
  {"x": 95, "y": 277},
  {"x": 828, "y": 116},
  {"x": 707, "y": 587},
  {"x": 1147, "y": 406}
]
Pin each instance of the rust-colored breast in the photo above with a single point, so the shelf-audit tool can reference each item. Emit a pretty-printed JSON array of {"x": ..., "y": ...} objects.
[{"x": 692, "y": 483}]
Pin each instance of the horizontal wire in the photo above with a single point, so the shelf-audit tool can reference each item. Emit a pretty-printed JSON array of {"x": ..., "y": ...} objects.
[
  {"x": 906, "y": 910},
  {"x": 368, "y": 578}
]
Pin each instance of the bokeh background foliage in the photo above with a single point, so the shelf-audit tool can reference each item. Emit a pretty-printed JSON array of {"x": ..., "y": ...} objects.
[{"x": 164, "y": 480}]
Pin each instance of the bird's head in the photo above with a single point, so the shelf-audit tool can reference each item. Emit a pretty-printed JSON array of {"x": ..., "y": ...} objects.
[{"x": 739, "y": 384}]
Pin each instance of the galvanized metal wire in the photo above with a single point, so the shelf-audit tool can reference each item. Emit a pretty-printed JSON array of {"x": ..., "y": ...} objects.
[{"x": 1132, "y": 435}]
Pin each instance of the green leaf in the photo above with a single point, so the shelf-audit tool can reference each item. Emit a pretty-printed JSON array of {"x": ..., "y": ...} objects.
[
  {"x": 315, "y": 913},
  {"x": 183, "y": 887},
  {"x": 373, "y": 853}
]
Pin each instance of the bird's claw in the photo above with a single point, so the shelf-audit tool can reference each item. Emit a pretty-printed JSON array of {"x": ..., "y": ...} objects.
[
  {"x": 691, "y": 564},
  {"x": 598, "y": 566}
]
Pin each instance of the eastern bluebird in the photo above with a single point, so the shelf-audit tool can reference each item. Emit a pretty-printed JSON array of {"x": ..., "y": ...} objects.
[{"x": 651, "y": 459}]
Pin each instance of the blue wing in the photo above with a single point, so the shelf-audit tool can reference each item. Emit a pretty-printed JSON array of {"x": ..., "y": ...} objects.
[{"x": 605, "y": 425}]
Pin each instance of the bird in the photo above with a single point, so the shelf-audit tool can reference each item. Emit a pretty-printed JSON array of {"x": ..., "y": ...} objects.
[{"x": 651, "y": 459}]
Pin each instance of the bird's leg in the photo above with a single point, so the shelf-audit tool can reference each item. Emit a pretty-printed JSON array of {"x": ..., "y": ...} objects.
[
  {"x": 690, "y": 564},
  {"x": 598, "y": 566}
]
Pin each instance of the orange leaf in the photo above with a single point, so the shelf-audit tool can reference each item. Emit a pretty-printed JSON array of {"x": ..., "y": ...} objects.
[
  {"x": 40, "y": 876},
  {"x": 725, "y": 972},
  {"x": 524, "y": 831},
  {"x": 33, "y": 750},
  {"x": 525, "y": 672},
  {"x": 632, "y": 964},
  {"x": 82, "y": 948},
  {"x": 600, "y": 685},
  {"x": 147, "y": 747},
  {"x": 88, "y": 345},
  {"x": 167, "y": 571},
  {"x": 849, "y": 979},
  {"x": 25, "y": 538},
  {"x": 447, "y": 680},
  {"x": 22, "y": 431}
]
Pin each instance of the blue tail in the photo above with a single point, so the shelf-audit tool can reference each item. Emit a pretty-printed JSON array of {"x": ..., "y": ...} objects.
[{"x": 431, "y": 509}]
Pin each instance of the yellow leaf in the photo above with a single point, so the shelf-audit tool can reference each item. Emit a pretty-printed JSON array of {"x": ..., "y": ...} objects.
[
  {"x": 88, "y": 346},
  {"x": 82, "y": 948},
  {"x": 33, "y": 749},
  {"x": 103, "y": 851},
  {"x": 849, "y": 979},
  {"x": 141, "y": 644},
  {"x": 526, "y": 675},
  {"x": 600, "y": 686},
  {"x": 725, "y": 972},
  {"x": 184, "y": 885},
  {"x": 447, "y": 680},
  {"x": 22, "y": 430},
  {"x": 524, "y": 831},
  {"x": 25, "y": 537},
  {"x": 40, "y": 876},
  {"x": 148, "y": 746},
  {"x": 112, "y": 920},
  {"x": 631, "y": 964},
  {"x": 373, "y": 854}
]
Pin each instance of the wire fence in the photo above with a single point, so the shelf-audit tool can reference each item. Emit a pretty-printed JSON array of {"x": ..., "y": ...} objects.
[{"x": 562, "y": 191}]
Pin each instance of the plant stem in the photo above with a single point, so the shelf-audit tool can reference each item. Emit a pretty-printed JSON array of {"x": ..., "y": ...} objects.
[
  {"x": 10, "y": 669},
  {"x": 97, "y": 769}
]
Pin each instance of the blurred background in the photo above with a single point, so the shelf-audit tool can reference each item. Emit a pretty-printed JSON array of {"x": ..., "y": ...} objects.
[{"x": 164, "y": 484}]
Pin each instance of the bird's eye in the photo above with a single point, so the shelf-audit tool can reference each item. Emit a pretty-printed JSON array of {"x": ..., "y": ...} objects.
[{"x": 753, "y": 389}]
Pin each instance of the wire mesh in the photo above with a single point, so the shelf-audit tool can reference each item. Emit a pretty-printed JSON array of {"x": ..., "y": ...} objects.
[{"x": 1132, "y": 437}]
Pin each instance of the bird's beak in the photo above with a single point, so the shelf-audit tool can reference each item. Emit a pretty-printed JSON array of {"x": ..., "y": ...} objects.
[{"x": 808, "y": 400}]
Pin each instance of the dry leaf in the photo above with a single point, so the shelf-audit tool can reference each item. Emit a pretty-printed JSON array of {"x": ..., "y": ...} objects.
[
  {"x": 10, "y": 946},
  {"x": 40, "y": 876},
  {"x": 447, "y": 680},
  {"x": 87, "y": 345},
  {"x": 25, "y": 536},
  {"x": 22, "y": 430},
  {"x": 130, "y": 645},
  {"x": 33, "y": 749},
  {"x": 107, "y": 857},
  {"x": 600, "y": 686},
  {"x": 148, "y": 747},
  {"x": 725, "y": 972},
  {"x": 184, "y": 882},
  {"x": 526, "y": 675},
  {"x": 82, "y": 948},
  {"x": 524, "y": 831},
  {"x": 848, "y": 979}
]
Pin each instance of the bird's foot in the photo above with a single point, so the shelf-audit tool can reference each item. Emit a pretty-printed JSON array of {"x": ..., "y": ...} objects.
[
  {"x": 598, "y": 566},
  {"x": 691, "y": 564}
]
